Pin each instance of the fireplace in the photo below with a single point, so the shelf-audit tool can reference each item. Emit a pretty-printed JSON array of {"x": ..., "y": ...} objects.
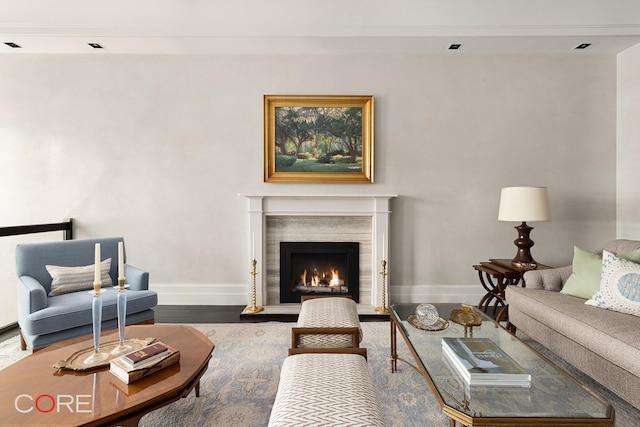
[{"x": 319, "y": 269}]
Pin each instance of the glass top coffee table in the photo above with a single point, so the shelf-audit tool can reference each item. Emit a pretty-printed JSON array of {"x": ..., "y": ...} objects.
[{"x": 553, "y": 399}]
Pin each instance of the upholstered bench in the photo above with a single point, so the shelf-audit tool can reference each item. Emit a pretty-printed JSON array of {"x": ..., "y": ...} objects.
[
  {"x": 326, "y": 389},
  {"x": 327, "y": 322}
]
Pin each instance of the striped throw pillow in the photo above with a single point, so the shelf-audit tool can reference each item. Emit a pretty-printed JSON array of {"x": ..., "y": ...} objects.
[{"x": 72, "y": 279}]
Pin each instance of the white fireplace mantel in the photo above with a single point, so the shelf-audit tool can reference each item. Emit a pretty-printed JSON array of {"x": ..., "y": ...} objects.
[{"x": 375, "y": 206}]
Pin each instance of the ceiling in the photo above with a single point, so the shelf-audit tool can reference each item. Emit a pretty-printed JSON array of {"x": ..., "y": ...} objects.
[{"x": 319, "y": 26}]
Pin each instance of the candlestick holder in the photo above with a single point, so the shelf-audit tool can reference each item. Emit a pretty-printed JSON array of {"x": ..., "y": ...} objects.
[
  {"x": 122, "y": 319},
  {"x": 383, "y": 308},
  {"x": 254, "y": 308},
  {"x": 96, "y": 312}
]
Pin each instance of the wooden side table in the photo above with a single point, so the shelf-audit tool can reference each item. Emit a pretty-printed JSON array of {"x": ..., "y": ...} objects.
[{"x": 495, "y": 275}]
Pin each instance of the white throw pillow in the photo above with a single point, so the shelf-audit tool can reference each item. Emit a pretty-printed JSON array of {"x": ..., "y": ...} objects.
[
  {"x": 72, "y": 279},
  {"x": 619, "y": 287}
]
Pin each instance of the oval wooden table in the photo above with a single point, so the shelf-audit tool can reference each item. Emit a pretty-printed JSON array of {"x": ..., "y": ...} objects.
[{"x": 32, "y": 392}]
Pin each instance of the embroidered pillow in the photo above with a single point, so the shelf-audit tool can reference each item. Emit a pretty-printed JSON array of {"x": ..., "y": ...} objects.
[
  {"x": 587, "y": 272},
  {"x": 72, "y": 279},
  {"x": 620, "y": 285}
]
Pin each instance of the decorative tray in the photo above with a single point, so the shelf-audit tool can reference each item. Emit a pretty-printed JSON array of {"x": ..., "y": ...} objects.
[
  {"x": 438, "y": 326},
  {"x": 467, "y": 317},
  {"x": 75, "y": 362}
]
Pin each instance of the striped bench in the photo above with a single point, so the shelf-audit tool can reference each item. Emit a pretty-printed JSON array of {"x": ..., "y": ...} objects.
[
  {"x": 320, "y": 389},
  {"x": 327, "y": 322}
]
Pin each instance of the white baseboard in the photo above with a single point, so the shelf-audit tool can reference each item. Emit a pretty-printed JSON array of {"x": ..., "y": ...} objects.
[
  {"x": 201, "y": 294},
  {"x": 238, "y": 294},
  {"x": 468, "y": 294}
]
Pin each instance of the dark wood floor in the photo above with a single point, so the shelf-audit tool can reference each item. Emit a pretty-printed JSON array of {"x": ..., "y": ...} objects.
[
  {"x": 206, "y": 314},
  {"x": 198, "y": 313},
  {"x": 230, "y": 314},
  {"x": 175, "y": 314}
]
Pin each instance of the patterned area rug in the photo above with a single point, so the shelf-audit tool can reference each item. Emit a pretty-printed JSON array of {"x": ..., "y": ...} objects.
[
  {"x": 241, "y": 383},
  {"x": 240, "y": 386}
]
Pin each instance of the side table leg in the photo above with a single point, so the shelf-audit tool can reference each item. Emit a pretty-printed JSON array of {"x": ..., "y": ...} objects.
[
  {"x": 394, "y": 353},
  {"x": 492, "y": 291},
  {"x": 504, "y": 312}
]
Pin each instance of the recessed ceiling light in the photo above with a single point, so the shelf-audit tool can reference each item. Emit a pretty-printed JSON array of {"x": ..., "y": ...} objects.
[
  {"x": 583, "y": 46},
  {"x": 455, "y": 46},
  {"x": 95, "y": 45},
  {"x": 13, "y": 45}
]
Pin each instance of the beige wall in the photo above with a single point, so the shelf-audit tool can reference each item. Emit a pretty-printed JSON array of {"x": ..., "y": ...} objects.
[
  {"x": 628, "y": 148},
  {"x": 156, "y": 149}
]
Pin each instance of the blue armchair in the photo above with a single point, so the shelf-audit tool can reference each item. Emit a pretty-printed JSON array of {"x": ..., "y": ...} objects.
[{"x": 45, "y": 319}]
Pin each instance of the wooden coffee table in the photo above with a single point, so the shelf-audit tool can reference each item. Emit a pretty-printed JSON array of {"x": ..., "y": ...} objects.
[{"x": 97, "y": 398}]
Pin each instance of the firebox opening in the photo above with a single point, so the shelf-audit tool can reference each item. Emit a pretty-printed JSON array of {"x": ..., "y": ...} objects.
[{"x": 318, "y": 268}]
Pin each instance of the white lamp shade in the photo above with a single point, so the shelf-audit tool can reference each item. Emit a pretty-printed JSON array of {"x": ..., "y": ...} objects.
[{"x": 524, "y": 204}]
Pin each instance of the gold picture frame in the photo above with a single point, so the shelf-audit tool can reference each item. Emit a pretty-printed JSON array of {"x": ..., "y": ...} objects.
[{"x": 318, "y": 139}]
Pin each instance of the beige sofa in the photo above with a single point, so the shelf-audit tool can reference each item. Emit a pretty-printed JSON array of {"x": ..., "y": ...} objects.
[{"x": 603, "y": 344}]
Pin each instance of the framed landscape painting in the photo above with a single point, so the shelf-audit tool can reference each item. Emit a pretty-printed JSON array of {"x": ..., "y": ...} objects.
[{"x": 318, "y": 139}]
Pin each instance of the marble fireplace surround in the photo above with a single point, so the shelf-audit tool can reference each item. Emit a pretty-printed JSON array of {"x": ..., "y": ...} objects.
[{"x": 368, "y": 213}]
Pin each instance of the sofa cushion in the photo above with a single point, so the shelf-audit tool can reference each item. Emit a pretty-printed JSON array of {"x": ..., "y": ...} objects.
[
  {"x": 612, "y": 335},
  {"x": 73, "y": 279},
  {"x": 587, "y": 272},
  {"x": 620, "y": 286},
  {"x": 74, "y": 309}
]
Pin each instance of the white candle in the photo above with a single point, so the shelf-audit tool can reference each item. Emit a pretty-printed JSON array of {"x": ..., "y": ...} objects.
[
  {"x": 253, "y": 246},
  {"x": 384, "y": 249},
  {"x": 96, "y": 276},
  {"x": 120, "y": 260}
]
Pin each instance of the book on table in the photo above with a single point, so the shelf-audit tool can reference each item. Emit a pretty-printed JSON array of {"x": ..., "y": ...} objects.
[
  {"x": 128, "y": 374},
  {"x": 479, "y": 361},
  {"x": 145, "y": 354}
]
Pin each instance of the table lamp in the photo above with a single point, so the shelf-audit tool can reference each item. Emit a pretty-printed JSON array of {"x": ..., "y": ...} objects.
[{"x": 524, "y": 204}]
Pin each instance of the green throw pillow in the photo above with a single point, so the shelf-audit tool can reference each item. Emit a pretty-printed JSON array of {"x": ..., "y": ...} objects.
[{"x": 587, "y": 272}]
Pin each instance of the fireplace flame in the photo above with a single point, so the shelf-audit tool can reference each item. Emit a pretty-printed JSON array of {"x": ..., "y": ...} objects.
[
  {"x": 317, "y": 279},
  {"x": 335, "y": 278}
]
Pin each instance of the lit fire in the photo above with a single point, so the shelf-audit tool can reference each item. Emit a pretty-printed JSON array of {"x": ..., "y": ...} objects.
[
  {"x": 315, "y": 279},
  {"x": 335, "y": 278},
  {"x": 303, "y": 277}
]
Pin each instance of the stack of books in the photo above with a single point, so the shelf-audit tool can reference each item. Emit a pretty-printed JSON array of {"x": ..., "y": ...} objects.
[
  {"x": 479, "y": 361},
  {"x": 143, "y": 362}
]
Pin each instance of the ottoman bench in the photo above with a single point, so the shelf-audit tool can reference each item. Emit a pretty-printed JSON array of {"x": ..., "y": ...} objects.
[
  {"x": 327, "y": 322},
  {"x": 326, "y": 389}
]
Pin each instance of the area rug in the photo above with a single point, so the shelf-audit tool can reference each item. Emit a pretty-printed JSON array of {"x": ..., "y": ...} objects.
[{"x": 240, "y": 385}]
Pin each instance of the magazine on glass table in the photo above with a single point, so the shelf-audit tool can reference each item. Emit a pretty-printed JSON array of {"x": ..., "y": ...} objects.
[{"x": 479, "y": 361}]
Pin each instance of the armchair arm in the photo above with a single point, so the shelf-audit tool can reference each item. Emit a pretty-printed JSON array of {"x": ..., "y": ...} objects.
[
  {"x": 552, "y": 279},
  {"x": 137, "y": 279},
  {"x": 32, "y": 296}
]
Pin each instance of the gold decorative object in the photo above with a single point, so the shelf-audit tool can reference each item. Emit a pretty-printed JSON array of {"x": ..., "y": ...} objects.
[
  {"x": 383, "y": 308},
  {"x": 76, "y": 362},
  {"x": 467, "y": 317},
  {"x": 254, "y": 308}
]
